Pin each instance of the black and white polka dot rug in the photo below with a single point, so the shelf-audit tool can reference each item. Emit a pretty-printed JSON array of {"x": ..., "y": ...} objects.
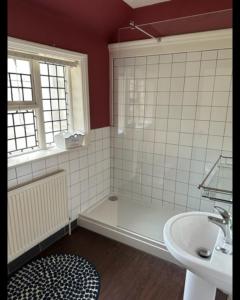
[{"x": 60, "y": 276}]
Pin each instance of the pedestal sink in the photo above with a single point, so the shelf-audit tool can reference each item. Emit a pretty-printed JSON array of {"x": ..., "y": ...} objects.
[{"x": 184, "y": 235}]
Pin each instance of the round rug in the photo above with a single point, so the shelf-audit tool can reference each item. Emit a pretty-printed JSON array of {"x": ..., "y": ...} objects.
[{"x": 60, "y": 276}]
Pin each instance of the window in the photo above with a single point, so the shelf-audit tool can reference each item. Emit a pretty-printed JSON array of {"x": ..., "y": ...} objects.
[{"x": 47, "y": 95}]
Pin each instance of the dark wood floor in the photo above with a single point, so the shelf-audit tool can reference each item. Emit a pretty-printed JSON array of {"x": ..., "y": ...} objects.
[{"x": 126, "y": 273}]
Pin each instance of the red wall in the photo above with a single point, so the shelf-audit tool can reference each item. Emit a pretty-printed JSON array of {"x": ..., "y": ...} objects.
[
  {"x": 88, "y": 26},
  {"x": 32, "y": 22},
  {"x": 178, "y": 9}
]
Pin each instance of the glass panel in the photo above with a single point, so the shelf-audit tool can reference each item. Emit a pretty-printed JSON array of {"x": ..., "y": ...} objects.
[
  {"x": 22, "y": 131},
  {"x": 54, "y": 109},
  {"x": 19, "y": 78}
]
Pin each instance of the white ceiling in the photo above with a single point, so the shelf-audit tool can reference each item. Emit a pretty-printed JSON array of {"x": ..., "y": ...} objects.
[{"x": 141, "y": 3}]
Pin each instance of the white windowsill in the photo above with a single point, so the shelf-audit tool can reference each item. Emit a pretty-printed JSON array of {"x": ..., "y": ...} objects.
[{"x": 36, "y": 155}]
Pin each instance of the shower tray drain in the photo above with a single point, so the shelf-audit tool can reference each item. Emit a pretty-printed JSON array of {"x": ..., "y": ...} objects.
[{"x": 113, "y": 198}]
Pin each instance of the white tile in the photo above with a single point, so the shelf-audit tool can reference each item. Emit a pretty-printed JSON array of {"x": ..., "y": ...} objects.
[
  {"x": 169, "y": 185},
  {"x": 175, "y": 112},
  {"x": 151, "y": 85},
  {"x": 168, "y": 197},
  {"x": 224, "y": 67},
  {"x": 200, "y": 140},
  {"x": 157, "y": 193},
  {"x": 209, "y": 54},
  {"x": 162, "y": 112},
  {"x": 72, "y": 155},
  {"x": 160, "y": 136},
  {"x": 170, "y": 162},
  {"x": 206, "y": 205},
  {"x": 190, "y": 98},
  {"x": 51, "y": 162},
  {"x": 184, "y": 152},
  {"x": 165, "y": 70},
  {"x": 148, "y": 135},
  {"x": 195, "y": 178},
  {"x": 201, "y": 127},
  {"x": 215, "y": 142},
  {"x": 193, "y": 203},
  {"x": 163, "y": 98},
  {"x": 203, "y": 113},
  {"x": 140, "y": 71},
  {"x": 180, "y": 199},
  {"x": 208, "y": 68},
  {"x": 217, "y": 128},
  {"x": 194, "y": 56},
  {"x": 152, "y": 71},
  {"x": 206, "y": 83},
  {"x": 38, "y": 165},
  {"x": 193, "y": 191},
  {"x": 11, "y": 173},
  {"x": 176, "y": 98},
  {"x": 228, "y": 129},
  {"x": 186, "y": 139},
  {"x": 191, "y": 84},
  {"x": 24, "y": 170},
  {"x": 224, "y": 53},
  {"x": 172, "y": 138},
  {"x": 192, "y": 68},
  {"x": 179, "y": 57},
  {"x": 220, "y": 98},
  {"x": 151, "y": 98},
  {"x": 163, "y": 84},
  {"x": 12, "y": 183},
  {"x": 165, "y": 58},
  {"x": 182, "y": 176},
  {"x": 161, "y": 124},
  {"x": 153, "y": 59},
  {"x": 222, "y": 83},
  {"x": 227, "y": 144},
  {"x": 159, "y": 148},
  {"x": 173, "y": 125},
  {"x": 171, "y": 150},
  {"x": 188, "y": 112},
  {"x": 218, "y": 113},
  {"x": 204, "y": 98},
  {"x": 198, "y": 153},
  {"x": 141, "y": 60},
  {"x": 74, "y": 165},
  {"x": 178, "y": 69},
  {"x": 184, "y": 164},
  {"x": 129, "y": 61},
  {"x": 197, "y": 166},
  {"x": 177, "y": 84},
  {"x": 181, "y": 188},
  {"x": 24, "y": 179}
]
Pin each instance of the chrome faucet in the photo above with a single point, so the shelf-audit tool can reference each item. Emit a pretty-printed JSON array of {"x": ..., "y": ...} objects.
[{"x": 225, "y": 223}]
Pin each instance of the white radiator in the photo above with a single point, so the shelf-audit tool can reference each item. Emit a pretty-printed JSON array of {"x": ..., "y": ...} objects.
[{"x": 35, "y": 211}]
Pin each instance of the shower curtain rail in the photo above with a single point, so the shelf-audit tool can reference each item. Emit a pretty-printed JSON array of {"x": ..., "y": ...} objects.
[
  {"x": 173, "y": 19},
  {"x": 134, "y": 26}
]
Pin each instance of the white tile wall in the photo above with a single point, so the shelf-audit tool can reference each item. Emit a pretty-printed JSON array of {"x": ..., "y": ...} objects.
[
  {"x": 172, "y": 119},
  {"x": 88, "y": 171}
]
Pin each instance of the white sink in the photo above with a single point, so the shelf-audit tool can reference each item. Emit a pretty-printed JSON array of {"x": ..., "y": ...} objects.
[{"x": 183, "y": 235}]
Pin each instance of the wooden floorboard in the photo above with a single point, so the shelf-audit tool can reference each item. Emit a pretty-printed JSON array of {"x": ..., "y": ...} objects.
[{"x": 126, "y": 273}]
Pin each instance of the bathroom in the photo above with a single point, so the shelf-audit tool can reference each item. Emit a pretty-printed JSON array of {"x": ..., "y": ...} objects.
[{"x": 144, "y": 91}]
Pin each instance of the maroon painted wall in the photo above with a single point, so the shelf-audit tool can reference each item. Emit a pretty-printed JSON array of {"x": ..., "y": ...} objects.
[
  {"x": 32, "y": 22},
  {"x": 178, "y": 9},
  {"x": 88, "y": 26}
]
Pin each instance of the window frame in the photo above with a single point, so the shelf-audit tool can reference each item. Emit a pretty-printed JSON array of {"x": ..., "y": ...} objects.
[{"x": 80, "y": 101}]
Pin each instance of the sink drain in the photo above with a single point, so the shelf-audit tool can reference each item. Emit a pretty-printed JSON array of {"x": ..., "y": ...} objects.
[
  {"x": 204, "y": 252},
  {"x": 113, "y": 198}
]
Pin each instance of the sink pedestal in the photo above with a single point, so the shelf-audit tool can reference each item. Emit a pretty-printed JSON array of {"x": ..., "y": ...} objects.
[{"x": 198, "y": 289}]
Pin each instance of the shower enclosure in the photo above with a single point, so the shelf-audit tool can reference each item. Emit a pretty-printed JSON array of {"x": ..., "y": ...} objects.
[{"x": 171, "y": 119}]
